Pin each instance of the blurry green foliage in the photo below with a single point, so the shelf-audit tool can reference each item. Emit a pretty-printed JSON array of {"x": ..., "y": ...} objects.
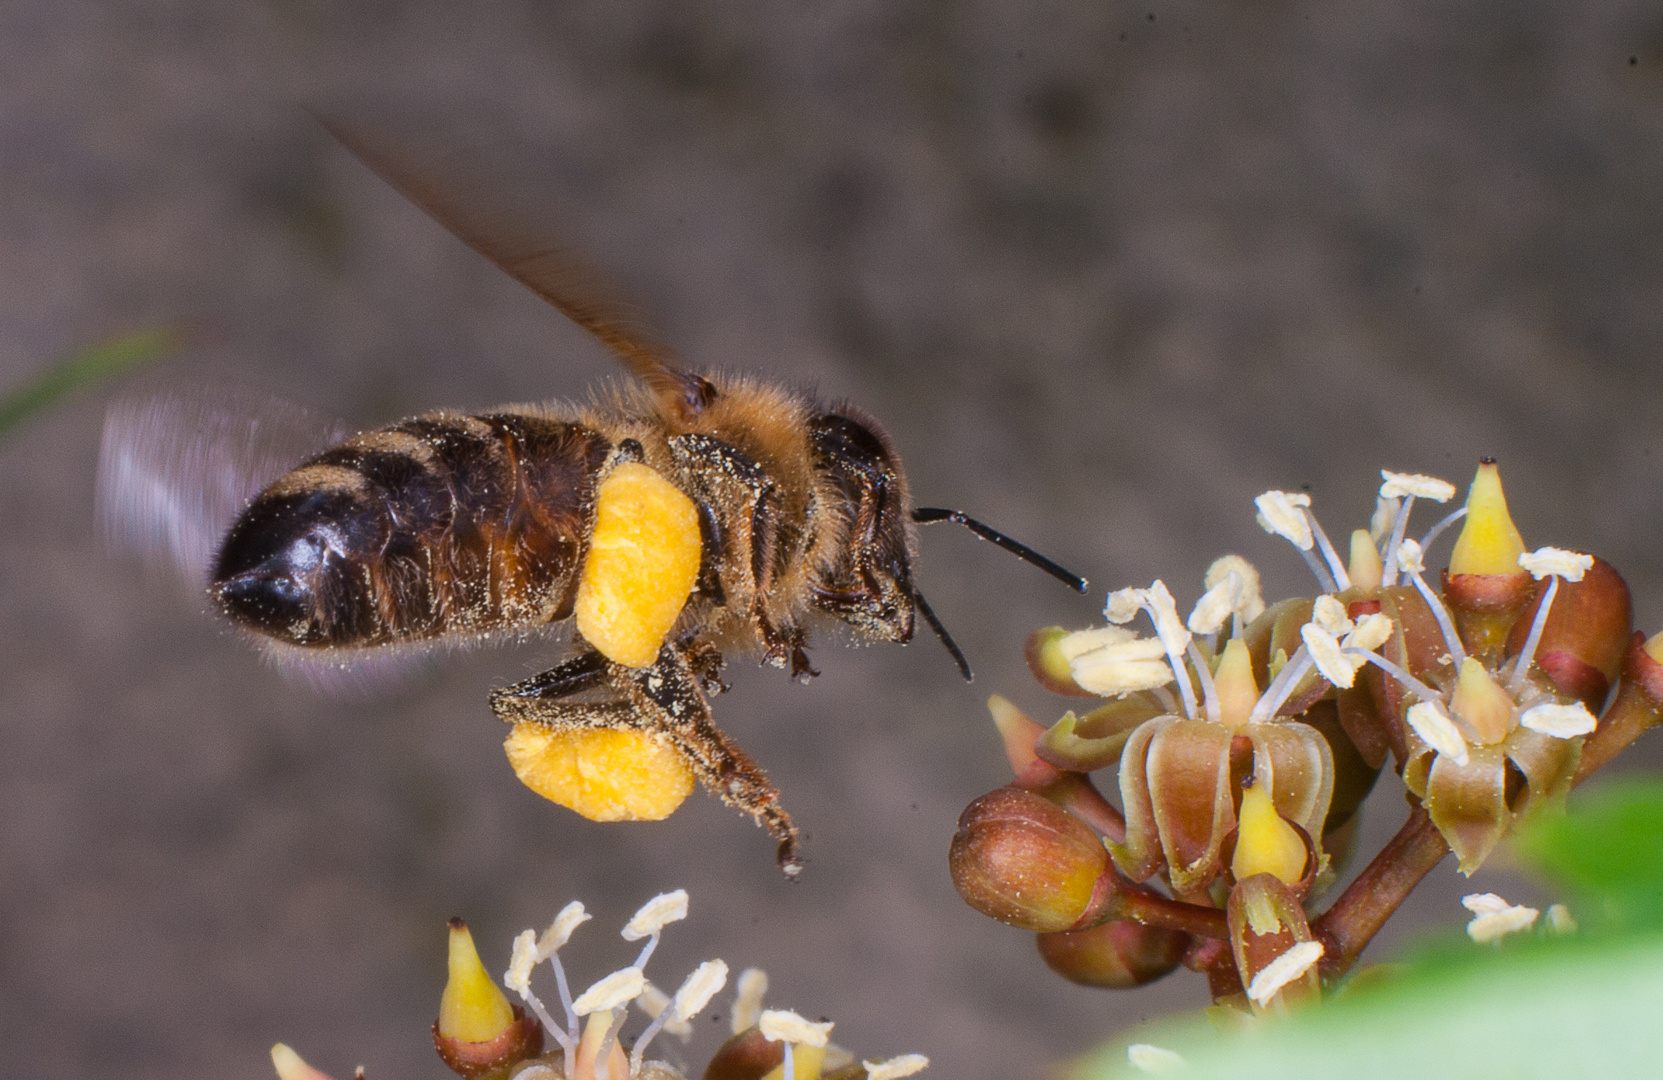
[
  {"x": 1535, "y": 1005},
  {"x": 81, "y": 369}
]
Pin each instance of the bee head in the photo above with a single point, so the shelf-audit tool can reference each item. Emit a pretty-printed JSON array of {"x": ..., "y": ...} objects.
[{"x": 869, "y": 583}]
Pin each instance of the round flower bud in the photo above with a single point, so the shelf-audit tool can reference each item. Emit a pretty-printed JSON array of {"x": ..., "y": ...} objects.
[
  {"x": 1023, "y": 860},
  {"x": 1117, "y": 954},
  {"x": 1586, "y": 633}
]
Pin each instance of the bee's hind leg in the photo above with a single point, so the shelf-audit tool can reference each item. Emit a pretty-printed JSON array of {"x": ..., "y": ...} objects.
[
  {"x": 664, "y": 699},
  {"x": 668, "y": 700}
]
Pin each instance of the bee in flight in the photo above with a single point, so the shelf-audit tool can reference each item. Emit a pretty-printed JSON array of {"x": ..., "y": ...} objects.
[{"x": 678, "y": 517}]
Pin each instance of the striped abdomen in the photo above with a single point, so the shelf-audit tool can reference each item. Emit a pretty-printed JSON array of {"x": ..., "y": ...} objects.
[{"x": 442, "y": 524}]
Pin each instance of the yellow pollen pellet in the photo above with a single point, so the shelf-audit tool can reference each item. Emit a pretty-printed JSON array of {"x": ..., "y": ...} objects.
[
  {"x": 643, "y": 563},
  {"x": 602, "y": 774}
]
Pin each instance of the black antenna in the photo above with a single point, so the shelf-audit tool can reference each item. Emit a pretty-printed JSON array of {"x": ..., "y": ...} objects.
[
  {"x": 925, "y": 515},
  {"x": 941, "y": 632}
]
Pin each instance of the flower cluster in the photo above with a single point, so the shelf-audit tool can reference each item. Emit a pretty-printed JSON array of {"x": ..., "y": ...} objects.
[
  {"x": 1245, "y": 737},
  {"x": 480, "y": 1036}
]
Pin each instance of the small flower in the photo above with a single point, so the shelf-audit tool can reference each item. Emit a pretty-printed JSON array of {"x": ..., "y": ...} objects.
[
  {"x": 1146, "y": 1057},
  {"x": 1494, "y": 918}
]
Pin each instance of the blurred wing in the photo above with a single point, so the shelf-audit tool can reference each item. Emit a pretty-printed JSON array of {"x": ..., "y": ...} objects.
[
  {"x": 176, "y": 468},
  {"x": 539, "y": 261}
]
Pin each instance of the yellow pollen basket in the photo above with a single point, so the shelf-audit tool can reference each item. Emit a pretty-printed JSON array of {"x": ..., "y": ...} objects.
[
  {"x": 1489, "y": 542},
  {"x": 600, "y": 773},
  {"x": 1266, "y": 844},
  {"x": 642, "y": 565},
  {"x": 471, "y": 1009}
]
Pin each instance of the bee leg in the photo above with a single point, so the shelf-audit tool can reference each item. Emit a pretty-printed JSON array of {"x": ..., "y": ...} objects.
[
  {"x": 667, "y": 699},
  {"x": 583, "y": 672}
]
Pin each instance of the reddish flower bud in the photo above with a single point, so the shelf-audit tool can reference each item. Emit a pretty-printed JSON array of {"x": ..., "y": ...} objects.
[
  {"x": 1023, "y": 860},
  {"x": 1638, "y": 706},
  {"x": 521, "y": 1040},
  {"x": 1586, "y": 634},
  {"x": 1486, "y": 607},
  {"x": 746, "y": 1056},
  {"x": 1118, "y": 954}
]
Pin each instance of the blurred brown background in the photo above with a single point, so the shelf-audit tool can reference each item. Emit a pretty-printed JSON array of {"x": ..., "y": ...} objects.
[{"x": 1106, "y": 270}]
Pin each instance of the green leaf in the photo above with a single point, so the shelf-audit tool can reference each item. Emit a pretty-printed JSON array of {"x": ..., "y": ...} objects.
[
  {"x": 81, "y": 369},
  {"x": 1539, "y": 1008},
  {"x": 1609, "y": 849}
]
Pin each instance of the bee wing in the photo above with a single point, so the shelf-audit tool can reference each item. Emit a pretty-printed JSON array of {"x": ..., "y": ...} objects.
[
  {"x": 538, "y": 259},
  {"x": 176, "y": 468}
]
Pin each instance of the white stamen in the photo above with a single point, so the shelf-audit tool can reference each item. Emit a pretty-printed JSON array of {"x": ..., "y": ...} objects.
[
  {"x": 1329, "y": 614},
  {"x": 654, "y": 1002},
  {"x": 1336, "y": 566},
  {"x": 560, "y": 930},
  {"x": 1122, "y": 665},
  {"x": 1570, "y": 565},
  {"x": 1286, "y": 681},
  {"x": 748, "y": 992},
  {"x": 520, "y": 963},
  {"x": 1494, "y": 918},
  {"x": 783, "y": 1025},
  {"x": 1281, "y": 514},
  {"x": 1123, "y": 605},
  {"x": 698, "y": 988},
  {"x": 1146, "y": 1057},
  {"x": 1371, "y": 632},
  {"x": 1283, "y": 970},
  {"x": 1336, "y": 667},
  {"x": 655, "y": 914},
  {"x": 1438, "y": 530},
  {"x": 1385, "y": 512},
  {"x": 1216, "y": 606},
  {"x": 1559, "y": 721},
  {"x": 1209, "y": 692},
  {"x": 1250, "y": 602},
  {"x": 1397, "y": 485},
  {"x": 896, "y": 1067},
  {"x": 1437, "y": 730},
  {"x": 619, "y": 988},
  {"x": 1527, "y": 654},
  {"x": 1410, "y": 554}
]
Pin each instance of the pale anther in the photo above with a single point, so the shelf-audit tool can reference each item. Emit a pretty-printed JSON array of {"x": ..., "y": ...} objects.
[
  {"x": 1123, "y": 605},
  {"x": 1399, "y": 485},
  {"x": 1324, "y": 650},
  {"x": 1329, "y": 614},
  {"x": 1283, "y": 970},
  {"x": 1250, "y": 602},
  {"x": 1281, "y": 513},
  {"x": 896, "y": 1067},
  {"x": 1495, "y": 918},
  {"x": 1380, "y": 524},
  {"x": 1570, "y": 565},
  {"x": 748, "y": 992},
  {"x": 1559, "y": 721},
  {"x": 654, "y": 914},
  {"x": 619, "y": 988},
  {"x": 1409, "y": 557},
  {"x": 1215, "y": 607},
  {"x": 1164, "y": 611},
  {"x": 1371, "y": 632},
  {"x": 782, "y": 1025},
  {"x": 1156, "y": 1060},
  {"x": 560, "y": 931},
  {"x": 520, "y": 963},
  {"x": 698, "y": 988},
  {"x": 1438, "y": 731}
]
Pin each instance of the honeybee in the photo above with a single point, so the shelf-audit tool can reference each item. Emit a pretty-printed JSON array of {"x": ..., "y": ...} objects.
[{"x": 679, "y": 517}]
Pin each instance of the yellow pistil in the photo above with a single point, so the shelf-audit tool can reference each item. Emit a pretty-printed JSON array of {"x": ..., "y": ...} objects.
[
  {"x": 291, "y": 1067},
  {"x": 1233, "y": 682},
  {"x": 1481, "y": 702},
  {"x": 1365, "y": 569},
  {"x": 471, "y": 1009},
  {"x": 1489, "y": 543},
  {"x": 1265, "y": 843},
  {"x": 806, "y": 1062},
  {"x": 599, "y": 1040},
  {"x": 1654, "y": 647}
]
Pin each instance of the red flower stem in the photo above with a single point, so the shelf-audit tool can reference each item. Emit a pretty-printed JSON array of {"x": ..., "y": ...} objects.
[
  {"x": 1119, "y": 898},
  {"x": 1351, "y": 921}
]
